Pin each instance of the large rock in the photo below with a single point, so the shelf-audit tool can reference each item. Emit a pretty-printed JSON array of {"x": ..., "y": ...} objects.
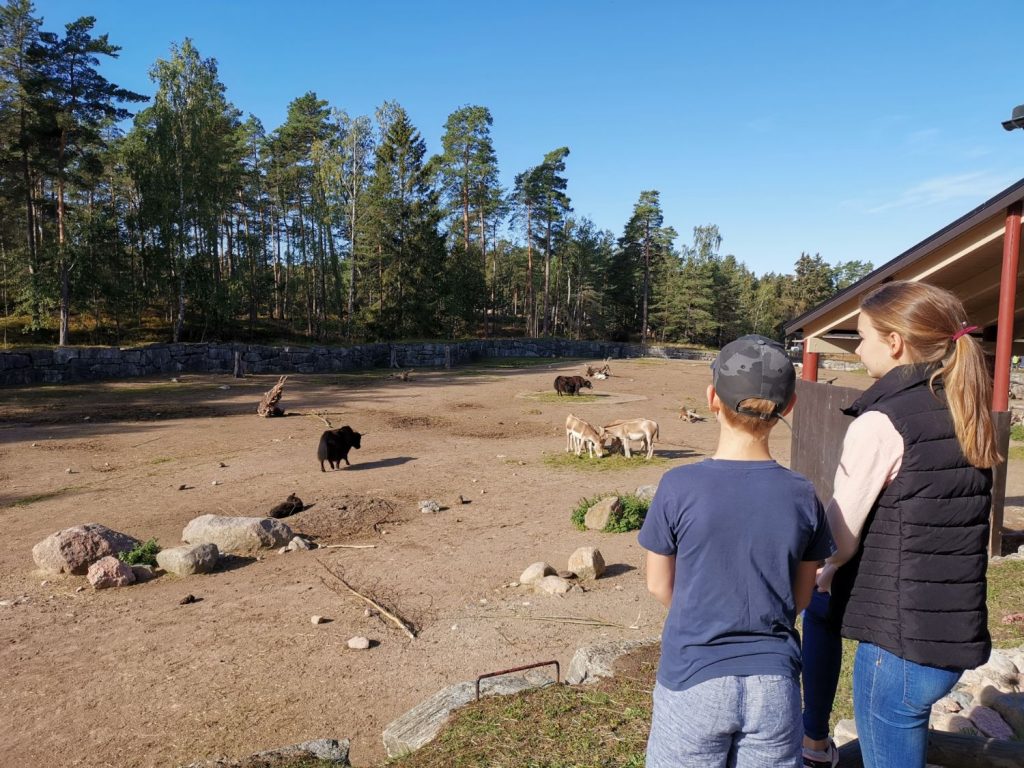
[
  {"x": 535, "y": 572},
  {"x": 110, "y": 572},
  {"x": 646, "y": 492},
  {"x": 423, "y": 722},
  {"x": 587, "y": 563},
  {"x": 324, "y": 751},
  {"x": 989, "y": 723},
  {"x": 593, "y": 662},
  {"x": 189, "y": 559},
  {"x": 74, "y": 549},
  {"x": 237, "y": 535},
  {"x": 597, "y": 516},
  {"x": 1010, "y": 706}
]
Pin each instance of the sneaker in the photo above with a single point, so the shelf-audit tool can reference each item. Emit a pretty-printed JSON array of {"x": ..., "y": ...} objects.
[{"x": 828, "y": 758}]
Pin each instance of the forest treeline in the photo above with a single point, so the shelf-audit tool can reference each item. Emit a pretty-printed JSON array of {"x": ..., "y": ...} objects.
[{"x": 195, "y": 222}]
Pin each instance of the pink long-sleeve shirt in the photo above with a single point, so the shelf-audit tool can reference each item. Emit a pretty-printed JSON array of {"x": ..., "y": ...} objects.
[{"x": 871, "y": 459}]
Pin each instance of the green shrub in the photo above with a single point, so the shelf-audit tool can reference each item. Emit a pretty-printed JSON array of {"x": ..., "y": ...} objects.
[
  {"x": 142, "y": 554},
  {"x": 629, "y": 518},
  {"x": 1017, "y": 432}
]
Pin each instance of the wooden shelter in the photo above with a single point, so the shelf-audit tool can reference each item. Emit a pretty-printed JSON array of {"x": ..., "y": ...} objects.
[{"x": 977, "y": 257}]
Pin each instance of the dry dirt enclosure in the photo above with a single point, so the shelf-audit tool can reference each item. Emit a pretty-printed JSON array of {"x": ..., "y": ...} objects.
[{"x": 128, "y": 677}]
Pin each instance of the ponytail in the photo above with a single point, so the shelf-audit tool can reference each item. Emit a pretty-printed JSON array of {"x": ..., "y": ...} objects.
[{"x": 933, "y": 323}]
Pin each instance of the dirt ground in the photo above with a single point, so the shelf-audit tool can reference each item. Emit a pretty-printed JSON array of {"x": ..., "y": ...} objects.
[{"x": 129, "y": 677}]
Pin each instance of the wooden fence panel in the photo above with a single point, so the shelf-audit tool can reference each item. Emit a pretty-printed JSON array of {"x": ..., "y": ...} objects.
[{"x": 819, "y": 427}]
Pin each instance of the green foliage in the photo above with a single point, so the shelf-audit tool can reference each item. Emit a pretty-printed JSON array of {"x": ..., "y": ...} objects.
[
  {"x": 629, "y": 518},
  {"x": 142, "y": 554},
  {"x": 1017, "y": 432}
]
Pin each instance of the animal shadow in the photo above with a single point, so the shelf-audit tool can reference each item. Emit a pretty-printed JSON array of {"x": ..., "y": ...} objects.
[
  {"x": 393, "y": 462},
  {"x": 232, "y": 563},
  {"x": 684, "y": 453}
]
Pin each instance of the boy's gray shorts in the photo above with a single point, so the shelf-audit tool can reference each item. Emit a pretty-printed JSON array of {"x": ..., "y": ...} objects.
[{"x": 741, "y": 722}]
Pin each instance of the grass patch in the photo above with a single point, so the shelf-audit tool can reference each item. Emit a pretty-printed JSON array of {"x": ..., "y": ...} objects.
[
  {"x": 1017, "y": 432},
  {"x": 629, "y": 518},
  {"x": 554, "y": 397},
  {"x": 608, "y": 463},
  {"x": 553, "y": 727},
  {"x": 1005, "y": 597},
  {"x": 1016, "y": 452},
  {"x": 24, "y": 501},
  {"x": 143, "y": 553},
  {"x": 161, "y": 460}
]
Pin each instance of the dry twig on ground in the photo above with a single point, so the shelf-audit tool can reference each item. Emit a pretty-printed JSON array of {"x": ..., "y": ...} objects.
[{"x": 395, "y": 619}]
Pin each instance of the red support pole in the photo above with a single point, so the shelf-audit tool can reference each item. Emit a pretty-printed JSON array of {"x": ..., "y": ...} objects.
[
  {"x": 1007, "y": 302},
  {"x": 810, "y": 371}
]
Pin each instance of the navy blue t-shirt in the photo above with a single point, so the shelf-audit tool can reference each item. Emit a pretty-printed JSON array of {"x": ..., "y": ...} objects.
[{"x": 738, "y": 530}]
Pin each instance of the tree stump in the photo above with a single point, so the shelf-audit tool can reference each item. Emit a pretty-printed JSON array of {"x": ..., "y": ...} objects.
[{"x": 268, "y": 405}]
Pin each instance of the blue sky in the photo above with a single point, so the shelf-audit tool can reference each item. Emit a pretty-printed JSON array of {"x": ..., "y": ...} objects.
[{"x": 850, "y": 129}]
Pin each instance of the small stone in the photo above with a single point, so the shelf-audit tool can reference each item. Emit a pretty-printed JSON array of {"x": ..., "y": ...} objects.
[
  {"x": 35, "y": 444},
  {"x": 358, "y": 643},
  {"x": 43, "y": 583},
  {"x": 646, "y": 492},
  {"x": 587, "y": 563},
  {"x": 482, "y": 601},
  {"x": 845, "y": 730},
  {"x": 513, "y": 584},
  {"x": 990, "y": 723},
  {"x": 215, "y": 482},
  {"x": 463, "y": 500},
  {"x": 598, "y": 515},
  {"x": 429, "y": 506},
  {"x": 536, "y": 572},
  {"x": 110, "y": 572},
  {"x": 182, "y": 487},
  {"x": 316, "y": 620},
  {"x": 299, "y": 543},
  {"x": 86, "y": 418},
  {"x": 369, "y": 613},
  {"x": 69, "y": 471},
  {"x": 566, "y": 575},
  {"x": 454, "y": 627},
  {"x": 283, "y": 551},
  {"x": 188, "y": 600},
  {"x": 79, "y": 589},
  {"x": 7, "y": 603},
  {"x": 552, "y": 585},
  {"x": 222, "y": 464}
]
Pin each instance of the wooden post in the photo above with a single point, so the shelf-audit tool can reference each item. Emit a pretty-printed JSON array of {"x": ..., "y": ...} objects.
[
  {"x": 1001, "y": 374},
  {"x": 810, "y": 371},
  {"x": 1007, "y": 302},
  {"x": 952, "y": 749}
]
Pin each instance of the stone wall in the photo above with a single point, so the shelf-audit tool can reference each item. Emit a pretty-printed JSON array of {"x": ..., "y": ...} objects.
[{"x": 64, "y": 365}]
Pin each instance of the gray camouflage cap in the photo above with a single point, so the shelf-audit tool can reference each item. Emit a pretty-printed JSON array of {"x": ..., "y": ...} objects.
[{"x": 754, "y": 367}]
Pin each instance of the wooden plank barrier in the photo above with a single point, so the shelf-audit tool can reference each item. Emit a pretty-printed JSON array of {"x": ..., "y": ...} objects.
[{"x": 953, "y": 750}]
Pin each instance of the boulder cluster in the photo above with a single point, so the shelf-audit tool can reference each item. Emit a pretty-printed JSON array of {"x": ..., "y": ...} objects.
[
  {"x": 92, "y": 550},
  {"x": 586, "y": 563}
]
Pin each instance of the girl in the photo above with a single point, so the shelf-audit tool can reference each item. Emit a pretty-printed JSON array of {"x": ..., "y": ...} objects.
[{"x": 910, "y": 521}]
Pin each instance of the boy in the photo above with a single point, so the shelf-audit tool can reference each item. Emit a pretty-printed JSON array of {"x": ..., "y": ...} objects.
[{"x": 733, "y": 543}]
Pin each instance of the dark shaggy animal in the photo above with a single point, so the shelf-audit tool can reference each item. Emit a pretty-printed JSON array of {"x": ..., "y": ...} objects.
[
  {"x": 288, "y": 507},
  {"x": 566, "y": 385},
  {"x": 335, "y": 445},
  {"x": 581, "y": 382}
]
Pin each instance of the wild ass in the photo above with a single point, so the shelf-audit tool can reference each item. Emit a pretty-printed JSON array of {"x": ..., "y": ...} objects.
[
  {"x": 579, "y": 435},
  {"x": 634, "y": 429}
]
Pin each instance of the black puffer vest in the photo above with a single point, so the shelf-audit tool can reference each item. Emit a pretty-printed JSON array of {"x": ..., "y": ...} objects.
[{"x": 917, "y": 585}]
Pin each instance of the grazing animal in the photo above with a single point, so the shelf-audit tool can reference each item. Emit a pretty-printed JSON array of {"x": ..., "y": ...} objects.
[
  {"x": 634, "y": 429},
  {"x": 335, "y": 445},
  {"x": 579, "y": 435},
  {"x": 581, "y": 383},
  {"x": 689, "y": 414},
  {"x": 565, "y": 385}
]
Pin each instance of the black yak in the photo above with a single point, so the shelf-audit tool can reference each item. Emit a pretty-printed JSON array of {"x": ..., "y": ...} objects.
[{"x": 335, "y": 445}]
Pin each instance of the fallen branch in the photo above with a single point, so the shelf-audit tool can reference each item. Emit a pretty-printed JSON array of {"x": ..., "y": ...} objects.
[
  {"x": 395, "y": 619},
  {"x": 587, "y": 622},
  {"x": 324, "y": 420},
  {"x": 144, "y": 442},
  {"x": 347, "y": 546}
]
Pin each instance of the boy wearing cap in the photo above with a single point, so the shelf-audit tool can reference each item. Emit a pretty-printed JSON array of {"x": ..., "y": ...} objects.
[{"x": 733, "y": 543}]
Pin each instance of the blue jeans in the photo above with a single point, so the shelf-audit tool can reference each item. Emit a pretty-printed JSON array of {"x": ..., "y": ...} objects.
[
  {"x": 823, "y": 658},
  {"x": 892, "y": 699},
  {"x": 739, "y": 722}
]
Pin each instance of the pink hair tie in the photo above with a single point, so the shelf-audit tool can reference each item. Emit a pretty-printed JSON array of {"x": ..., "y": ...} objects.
[{"x": 964, "y": 331}]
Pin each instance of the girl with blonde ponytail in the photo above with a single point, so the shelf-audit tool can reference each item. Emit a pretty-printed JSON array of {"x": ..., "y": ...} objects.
[{"x": 910, "y": 517}]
